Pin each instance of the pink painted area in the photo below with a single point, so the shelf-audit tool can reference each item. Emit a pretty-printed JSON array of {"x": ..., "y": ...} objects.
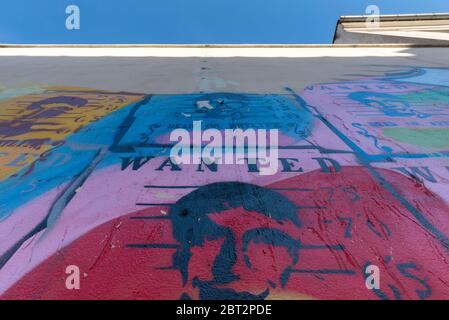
[
  {"x": 25, "y": 218},
  {"x": 334, "y": 103}
]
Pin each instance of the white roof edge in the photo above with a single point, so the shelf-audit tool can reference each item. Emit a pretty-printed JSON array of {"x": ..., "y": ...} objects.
[
  {"x": 398, "y": 17},
  {"x": 182, "y": 52}
]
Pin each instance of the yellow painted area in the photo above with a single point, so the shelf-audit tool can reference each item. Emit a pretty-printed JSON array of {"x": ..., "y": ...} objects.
[
  {"x": 13, "y": 158},
  {"x": 29, "y": 126}
]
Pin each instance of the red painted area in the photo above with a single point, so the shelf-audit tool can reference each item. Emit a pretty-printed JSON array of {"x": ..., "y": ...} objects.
[{"x": 355, "y": 212}]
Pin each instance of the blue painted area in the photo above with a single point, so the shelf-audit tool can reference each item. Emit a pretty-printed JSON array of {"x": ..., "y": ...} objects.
[
  {"x": 60, "y": 164},
  {"x": 193, "y": 21},
  {"x": 163, "y": 114},
  {"x": 429, "y": 76}
]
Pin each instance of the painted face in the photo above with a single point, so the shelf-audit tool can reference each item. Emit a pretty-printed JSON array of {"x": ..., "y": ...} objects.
[
  {"x": 236, "y": 240},
  {"x": 250, "y": 258},
  {"x": 53, "y": 107}
]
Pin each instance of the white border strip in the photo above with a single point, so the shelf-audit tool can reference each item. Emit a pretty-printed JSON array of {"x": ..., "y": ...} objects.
[{"x": 212, "y": 52}]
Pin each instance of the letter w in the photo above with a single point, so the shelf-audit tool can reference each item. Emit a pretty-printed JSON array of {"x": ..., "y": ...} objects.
[
  {"x": 136, "y": 162},
  {"x": 414, "y": 172}
]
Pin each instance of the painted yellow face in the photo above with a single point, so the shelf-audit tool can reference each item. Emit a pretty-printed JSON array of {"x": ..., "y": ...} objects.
[{"x": 33, "y": 124}]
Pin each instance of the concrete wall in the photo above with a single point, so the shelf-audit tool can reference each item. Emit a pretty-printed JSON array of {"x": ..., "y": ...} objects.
[
  {"x": 362, "y": 179},
  {"x": 342, "y": 36}
]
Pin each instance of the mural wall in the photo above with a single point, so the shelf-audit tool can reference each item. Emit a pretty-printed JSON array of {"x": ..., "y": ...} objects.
[{"x": 363, "y": 178}]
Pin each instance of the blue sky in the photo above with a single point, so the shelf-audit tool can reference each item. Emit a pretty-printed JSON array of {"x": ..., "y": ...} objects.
[{"x": 190, "y": 21}]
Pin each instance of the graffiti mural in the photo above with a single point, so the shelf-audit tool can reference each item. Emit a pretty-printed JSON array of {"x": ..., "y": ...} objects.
[{"x": 363, "y": 179}]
